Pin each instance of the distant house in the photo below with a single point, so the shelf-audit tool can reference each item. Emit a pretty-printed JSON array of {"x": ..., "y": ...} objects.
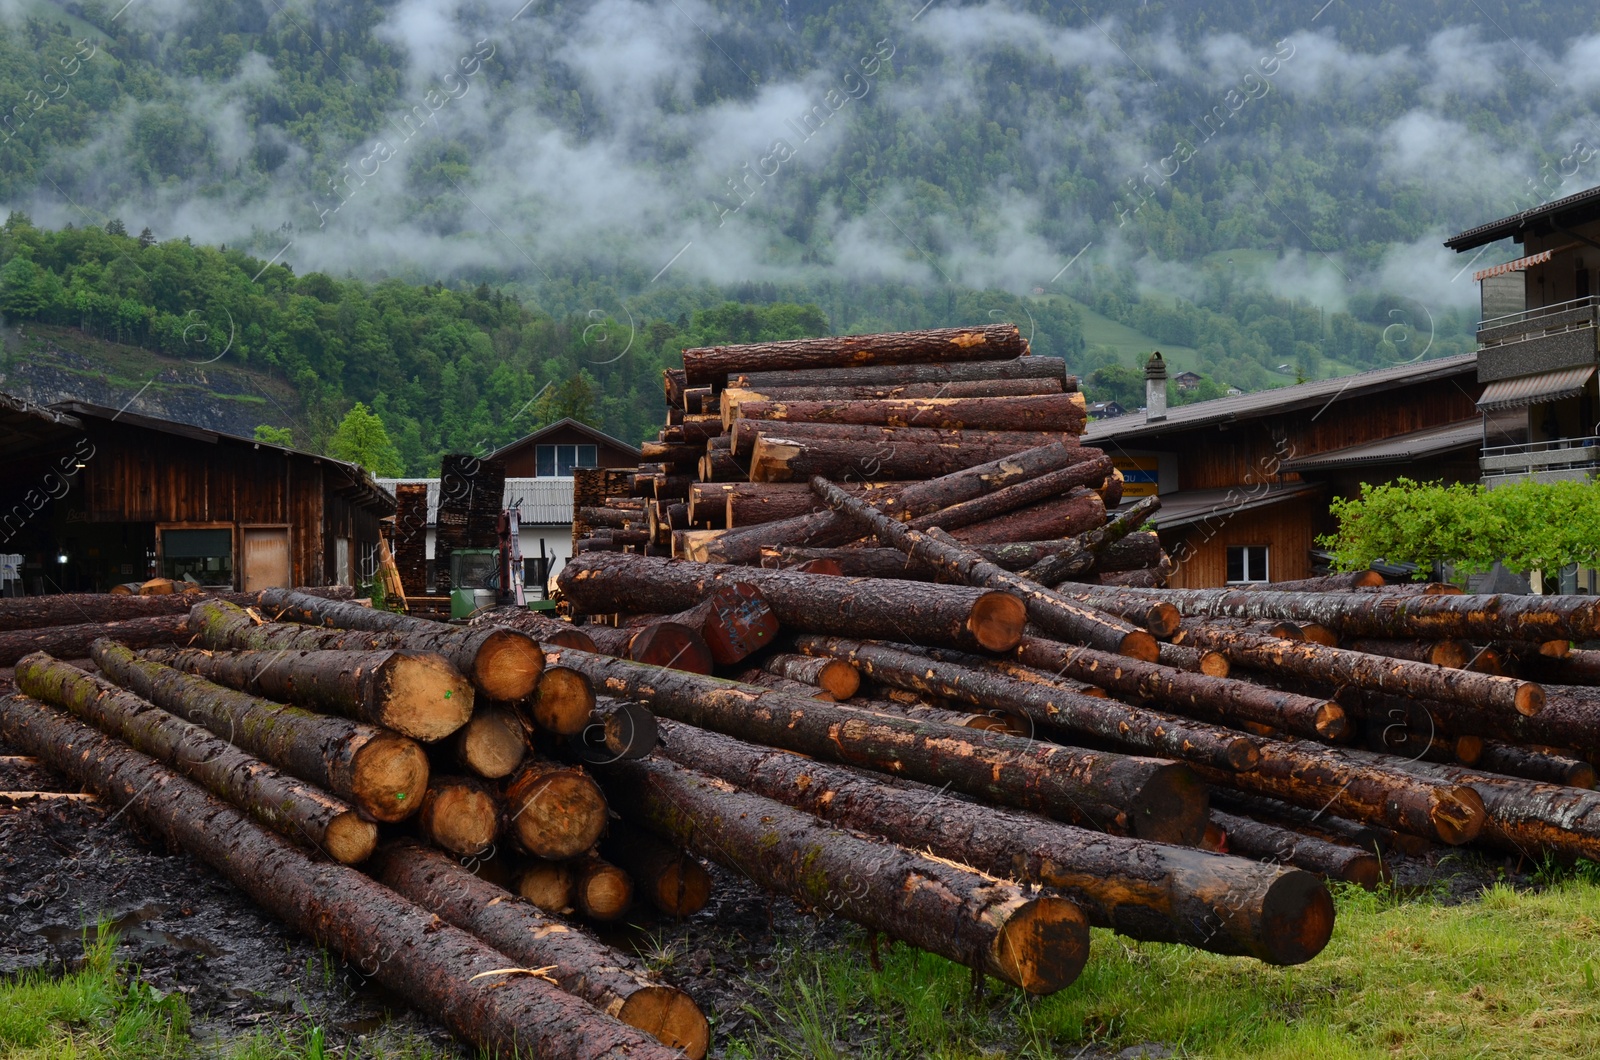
[
  {"x": 539, "y": 471},
  {"x": 1188, "y": 381},
  {"x": 1105, "y": 410},
  {"x": 1234, "y": 391},
  {"x": 92, "y": 497}
]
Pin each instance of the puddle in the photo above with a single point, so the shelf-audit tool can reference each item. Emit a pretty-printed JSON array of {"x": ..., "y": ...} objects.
[{"x": 131, "y": 926}]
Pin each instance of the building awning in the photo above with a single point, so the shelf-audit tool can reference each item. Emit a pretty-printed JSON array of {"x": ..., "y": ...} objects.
[
  {"x": 1414, "y": 445},
  {"x": 1513, "y": 266},
  {"x": 1187, "y": 507},
  {"x": 1532, "y": 389}
]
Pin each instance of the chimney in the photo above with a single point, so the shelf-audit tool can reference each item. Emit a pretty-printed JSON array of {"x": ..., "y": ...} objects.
[{"x": 1155, "y": 388}]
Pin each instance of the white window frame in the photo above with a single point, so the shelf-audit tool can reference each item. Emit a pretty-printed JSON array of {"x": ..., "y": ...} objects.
[{"x": 1249, "y": 572}]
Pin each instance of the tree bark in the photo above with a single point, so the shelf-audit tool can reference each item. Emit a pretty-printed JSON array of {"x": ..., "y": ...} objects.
[
  {"x": 1038, "y": 944},
  {"x": 834, "y": 676},
  {"x": 547, "y": 631},
  {"x": 777, "y": 683},
  {"x": 1570, "y": 718},
  {"x": 874, "y": 440},
  {"x": 492, "y": 743},
  {"x": 1050, "y": 412},
  {"x": 578, "y": 964},
  {"x": 503, "y": 664},
  {"x": 950, "y": 615},
  {"x": 430, "y": 966},
  {"x": 1181, "y": 657},
  {"x": 989, "y": 720},
  {"x": 1327, "y": 583},
  {"x": 776, "y": 457},
  {"x": 1339, "y": 665},
  {"x": 417, "y": 694},
  {"x": 282, "y": 803},
  {"x": 381, "y": 773},
  {"x": 1148, "y": 891},
  {"x": 712, "y": 364},
  {"x": 77, "y": 609},
  {"x": 1380, "y": 613},
  {"x": 1529, "y": 763},
  {"x": 72, "y": 642},
  {"x": 733, "y": 397},
  {"x": 1055, "y": 484},
  {"x": 1451, "y": 654},
  {"x": 1146, "y": 797},
  {"x": 1083, "y": 553},
  {"x": 945, "y": 372},
  {"x": 669, "y": 878},
  {"x": 1051, "y": 706},
  {"x": 1043, "y": 607},
  {"x": 1217, "y": 699},
  {"x": 460, "y": 815},
  {"x": 1285, "y": 846},
  {"x": 1135, "y": 551},
  {"x": 746, "y": 504},
  {"x": 555, "y": 812},
  {"x": 1077, "y": 512}
]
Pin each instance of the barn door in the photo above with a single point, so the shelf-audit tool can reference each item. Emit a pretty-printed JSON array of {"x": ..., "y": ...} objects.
[{"x": 266, "y": 558}]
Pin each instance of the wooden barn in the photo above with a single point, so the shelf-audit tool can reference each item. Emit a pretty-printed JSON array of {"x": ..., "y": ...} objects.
[
  {"x": 91, "y": 497},
  {"x": 1245, "y": 481}
]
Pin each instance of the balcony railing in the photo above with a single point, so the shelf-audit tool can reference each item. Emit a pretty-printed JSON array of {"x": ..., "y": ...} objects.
[
  {"x": 1558, "y": 454},
  {"x": 1562, "y": 316}
]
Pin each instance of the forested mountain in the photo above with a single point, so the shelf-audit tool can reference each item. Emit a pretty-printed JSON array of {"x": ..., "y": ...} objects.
[{"x": 446, "y": 208}]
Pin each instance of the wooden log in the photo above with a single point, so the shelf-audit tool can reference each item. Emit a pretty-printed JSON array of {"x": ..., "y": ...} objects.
[
  {"x": 381, "y": 773},
  {"x": 433, "y": 967},
  {"x": 749, "y": 504},
  {"x": 1217, "y": 699},
  {"x": 826, "y": 528},
  {"x": 680, "y": 454},
  {"x": 735, "y": 621},
  {"x": 1581, "y": 667},
  {"x": 987, "y": 720},
  {"x": 1046, "y": 412},
  {"x": 1078, "y": 511},
  {"x": 674, "y": 382},
  {"x": 949, "y": 615},
  {"x": 1286, "y": 846},
  {"x": 460, "y": 815},
  {"x": 563, "y": 702},
  {"x": 600, "y": 890},
  {"x": 719, "y": 465},
  {"x": 286, "y": 805},
  {"x": 1055, "y": 484},
  {"x": 671, "y": 879},
  {"x": 733, "y": 397},
  {"x": 1126, "y": 795},
  {"x": 616, "y": 518},
  {"x": 72, "y": 642},
  {"x": 76, "y": 609},
  {"x": 492, "y": 743},
  {"x": 741, "y": 437},
  {"x": 1043, "y": 606},
  {"x": 834, "y": 676},
  {"x": 1377, "y": 613},
  {"x": 1453, "y": 654},
  {"x": 1529, "y": 763},
  {"x": 943, "y": 372},
  {"x": 1327, "y": 583},
  {"x": 545, "y": 630},
  {"x": 1360, "y": 786},
  {"x": 554, "y": 811},
  {"x": 711, "y": 365},
  {"x": 617, "y": 730},
  {"x": 776, "y": 457},
  {"x": 694, "y": 396},
  {"x": 503, "y": 664},
  {"x": 1314, "y": 823},
  {"x": 1155, "y": 578},
  {"x": 1570, "y": 718},
  {"x": 547, "y": 884},
  {"x": 1316, "y": 662},
  {"x": 1053, "y": 707},
  {"x": 579, "y": 965},
  {"x": 1082, "y": 553},
  {"x": 417, "y": 694},
  {"x": 664, "y": 642},
  {"x": 1149, "y": 891},
  {"x": 1195, "y": 660},
  {"x": 1036, "y": 943},
  {"x": 756, "y": 676},
  {"x": 1134, "y": 551}
]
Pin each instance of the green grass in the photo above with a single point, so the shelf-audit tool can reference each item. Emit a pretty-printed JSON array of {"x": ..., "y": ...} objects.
[
  {"x": 1514, "y": 975},
  {"x": 1130, "y": 344}
]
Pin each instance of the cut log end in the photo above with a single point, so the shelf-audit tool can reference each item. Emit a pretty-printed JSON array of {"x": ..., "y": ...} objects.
[
  {"x": 547, "y": 884},
  {"x": 1530, "y": 699},
  {"x": 459, "y": 815},
  {"x": 1299, "y": 916},
  {"x": 1331, "y": 721},
  {"x": 427, "y": 699},
  {"x": 670, "y": 1016},
  {"x": 1140, "y": 645},
  {"x": 1173, "y": 807},
  {"x": 681, "y": 888},
  {"x": 508, "y": 665},
  {"x": 1458, "y": 813},
  {"x": 1042, "y": 947},
  {"x": 1162, "y": 620},
  {"x": 674, "y": 645},
  {"x": 390, "y": 774},
  {"x": 602, "y": 891},
  {"x": 839, "y": 679},
  {"x": 1214, "y": 664},
  {"x": 493, "y": 744},
  {"x": 556, "y": 813},
  {"x": 563, "y": 701},
  {"x": 997, "y": 621},
  {"x": 349, "y": 839}
]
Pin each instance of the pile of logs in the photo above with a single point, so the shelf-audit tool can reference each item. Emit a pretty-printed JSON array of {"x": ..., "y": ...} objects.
[{"x": 872, "y": 629}]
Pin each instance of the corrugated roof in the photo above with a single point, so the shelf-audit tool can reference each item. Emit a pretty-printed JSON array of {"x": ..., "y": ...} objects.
[
  {"x": 1572, "y": 210},
  {"x": 544, "y": 501},
  {"x": 1467, "y": 434},
  {"x": 1531, "y": 389},
  {"x": 1282, "y": 399},
  {"x": 1193, "y": 506}
]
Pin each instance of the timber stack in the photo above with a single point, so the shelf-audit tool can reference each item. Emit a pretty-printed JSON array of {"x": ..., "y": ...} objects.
[{"x": 872, "y": 628}]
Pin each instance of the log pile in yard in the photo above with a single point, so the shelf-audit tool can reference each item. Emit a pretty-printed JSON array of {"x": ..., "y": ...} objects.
[{"x": 870, "y": 627}]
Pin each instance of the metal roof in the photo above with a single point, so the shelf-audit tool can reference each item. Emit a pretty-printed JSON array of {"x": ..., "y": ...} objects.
[
  {"x": 1192, "y": 506},
  {"x": 1573, "y": 210},
  {"x": 1530, "y": 389},
  {"x": 1316, "y": 394},
  {"x": 1466, "y": 434},
  {"x": 544, "y": 501}
]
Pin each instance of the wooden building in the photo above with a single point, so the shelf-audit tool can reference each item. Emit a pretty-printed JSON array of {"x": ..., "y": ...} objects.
[
  {"x": 555, "y": 451},
  {"x": 91, "y": 497},
  {"x": 1245, "y": 481}
]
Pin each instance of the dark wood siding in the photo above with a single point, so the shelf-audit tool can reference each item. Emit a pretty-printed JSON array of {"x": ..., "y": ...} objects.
[
  {"x": 522, "y": 457},
  {"x": 1201, "y": 552}
]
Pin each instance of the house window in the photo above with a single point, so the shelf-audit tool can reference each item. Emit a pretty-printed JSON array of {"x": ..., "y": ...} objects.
[
  {"x": 203, "y": 556},
  {"x": 1247, "y": 563},
  {"x": 559, "y": 460}
]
